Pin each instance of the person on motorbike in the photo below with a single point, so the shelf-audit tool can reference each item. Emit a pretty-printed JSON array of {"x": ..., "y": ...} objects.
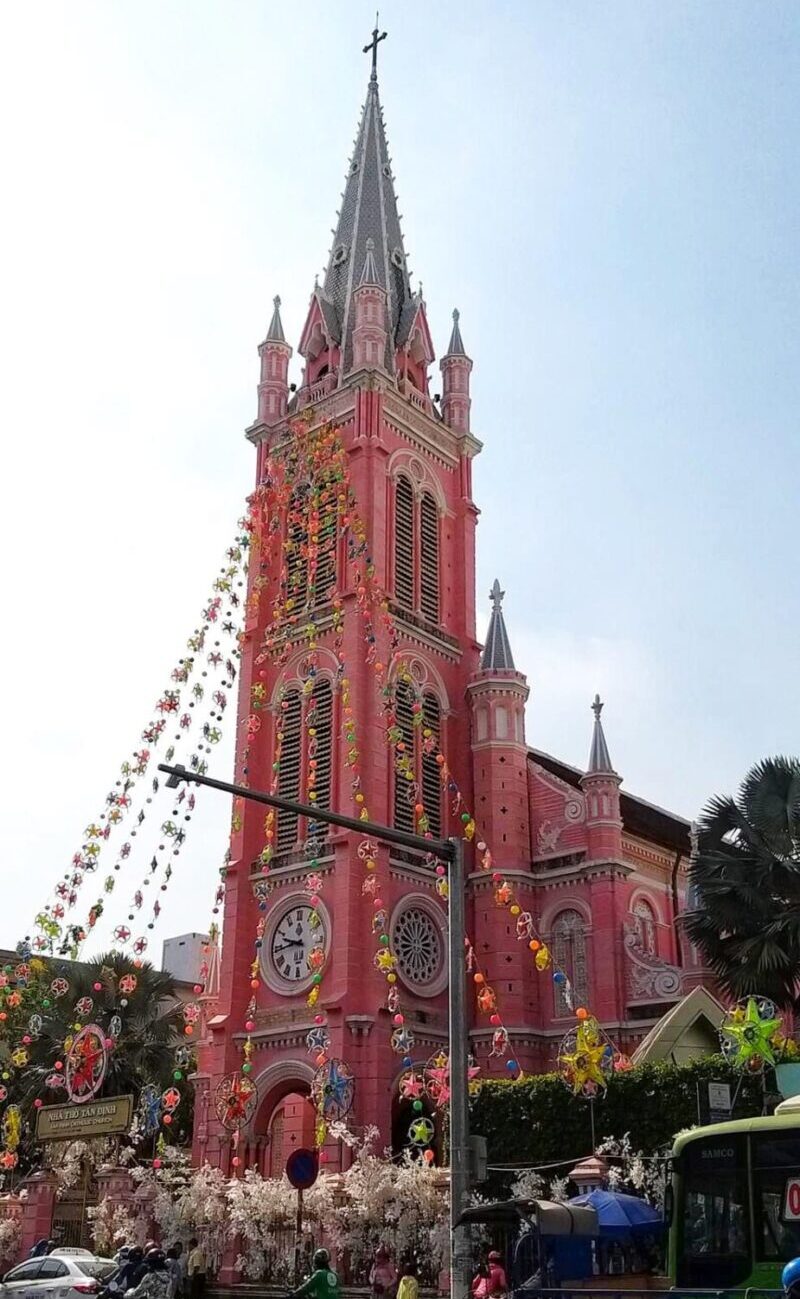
[
  {"x": 156, "y": 1283},
  {"x": 323, "y": 1282}
]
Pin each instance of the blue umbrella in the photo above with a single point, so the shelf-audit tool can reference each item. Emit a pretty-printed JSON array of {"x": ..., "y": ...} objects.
[{"x": 622, "y": 1217}]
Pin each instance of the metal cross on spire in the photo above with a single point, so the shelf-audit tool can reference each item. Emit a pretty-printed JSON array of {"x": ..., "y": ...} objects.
[
  {"x": 496, "y": 594},
  {"x": 373, "y": 45}
]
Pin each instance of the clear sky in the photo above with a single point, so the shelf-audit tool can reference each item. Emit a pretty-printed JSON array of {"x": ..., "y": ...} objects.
[{"x": 609, "y": 192}]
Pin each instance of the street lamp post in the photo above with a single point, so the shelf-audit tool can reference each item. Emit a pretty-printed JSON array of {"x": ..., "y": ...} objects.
[{"x": 451, "y": 851}]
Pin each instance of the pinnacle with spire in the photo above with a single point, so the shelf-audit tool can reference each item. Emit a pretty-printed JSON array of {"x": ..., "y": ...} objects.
[
  {"x": 456, "y": 345},
  {"x": 368, "y": 211},
  {"x": 497, "y": 654},
  {"x": 599, "y": 757},
  {"x": 369, "y": 275},
  {"x": 275, "y": 332}
]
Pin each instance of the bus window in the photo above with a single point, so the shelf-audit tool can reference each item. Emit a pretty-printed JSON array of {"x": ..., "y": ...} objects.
[
  {"x": 776, "y": 1161},
  {"x": 714, "y": 1236}
]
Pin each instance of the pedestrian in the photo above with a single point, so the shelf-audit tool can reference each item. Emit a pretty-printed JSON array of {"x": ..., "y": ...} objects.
[
  {"x": 196, "y": 1269},
  {"x": 174, "y": 1270},
  {"x": 39, "y": 1248},
  {"x": 323, "y": 1282},
  {"x": 408, "y": 1287},
  {"x": 383, "y": 1274}
]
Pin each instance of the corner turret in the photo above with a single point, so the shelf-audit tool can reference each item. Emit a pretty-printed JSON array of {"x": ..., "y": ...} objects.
[
  {"x": 273, "y": 388},
  {"x": 456, "y": 367},
  {"x": 600, "y": 786}
]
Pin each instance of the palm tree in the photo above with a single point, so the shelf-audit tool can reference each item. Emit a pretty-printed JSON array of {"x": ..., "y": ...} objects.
[
  {"x": 150, "y": 1029},
  {"x": 745, "y": 876}
]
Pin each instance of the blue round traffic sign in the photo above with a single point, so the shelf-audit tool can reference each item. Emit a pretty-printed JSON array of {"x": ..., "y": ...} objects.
[{"x": 302, "y": 1168}]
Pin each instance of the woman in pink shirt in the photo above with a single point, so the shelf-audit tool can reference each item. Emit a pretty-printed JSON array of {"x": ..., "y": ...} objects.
[
  {"x": 383, "y": 1274},
  {"x": 491, "y": 1280}
]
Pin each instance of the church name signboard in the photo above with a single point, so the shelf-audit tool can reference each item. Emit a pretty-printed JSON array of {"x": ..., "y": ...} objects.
[{"x": 97, "y": 1119}]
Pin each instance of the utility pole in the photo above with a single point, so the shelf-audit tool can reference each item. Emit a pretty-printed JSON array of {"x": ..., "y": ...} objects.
[{"x": 452, "y": 852}]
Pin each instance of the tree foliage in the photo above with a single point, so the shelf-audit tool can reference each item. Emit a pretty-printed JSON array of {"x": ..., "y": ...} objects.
[
  {"x": 536, "y": 1121},
  {"x": 745, "y": 876},
  {"x": 42, "y": 1024}
]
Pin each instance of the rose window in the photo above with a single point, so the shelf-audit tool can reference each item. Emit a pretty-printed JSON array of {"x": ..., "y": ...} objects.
[{"x": 417, "y": 945}]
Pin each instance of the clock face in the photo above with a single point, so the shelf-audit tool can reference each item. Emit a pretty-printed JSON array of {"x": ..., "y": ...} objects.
[{"x": 294, "y": 937}]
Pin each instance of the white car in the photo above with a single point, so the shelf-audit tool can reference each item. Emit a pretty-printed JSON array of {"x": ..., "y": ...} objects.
[{"x": 60, "y": 1275}]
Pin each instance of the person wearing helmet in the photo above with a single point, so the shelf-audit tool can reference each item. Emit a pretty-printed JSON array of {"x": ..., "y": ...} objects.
[
  {"x": 790, "y": 1279},
  {"x": 323, "y": 1282},
  {"x": 156, "y": 1282}
]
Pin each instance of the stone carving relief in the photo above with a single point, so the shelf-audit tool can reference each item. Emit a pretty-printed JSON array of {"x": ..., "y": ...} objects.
[
  {"x": 547, "y": 837},
  {"x": 648, "y": 975}
]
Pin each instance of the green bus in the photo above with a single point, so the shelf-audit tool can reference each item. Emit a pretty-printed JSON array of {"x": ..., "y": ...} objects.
[{"x": 735, "y": 1210}]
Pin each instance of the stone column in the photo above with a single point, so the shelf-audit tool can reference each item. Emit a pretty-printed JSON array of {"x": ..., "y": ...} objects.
[
  {"x": 116, "y": 1185},
  {"x": 39, "y": 1195}
]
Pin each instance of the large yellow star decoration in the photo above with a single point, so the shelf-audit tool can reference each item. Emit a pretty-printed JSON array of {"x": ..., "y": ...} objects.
[{"x": 584, "y": 1060}]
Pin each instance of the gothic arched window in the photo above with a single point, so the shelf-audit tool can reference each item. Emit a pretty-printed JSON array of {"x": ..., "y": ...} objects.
[
  {"x": 321, "y": 718},
  {"x": 404, "y": 543},
  {"x": 429, "y": 558},
  {"x": 404, "y": 721},
  {"x": 431, "y": 783},
  {"x": 289, "y": 773},
  {"x": 325, "y": 576},
  {"x": 645, "y": 923},
  {"x": 299, "y": 563},
  {"x": 297, "y": 547},
  {"x": 418, "y": 779},
  {"x": 569, "y": 954}
]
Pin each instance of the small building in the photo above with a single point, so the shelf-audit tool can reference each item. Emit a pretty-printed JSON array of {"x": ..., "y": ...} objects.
[{"x": 184, "y": 956}]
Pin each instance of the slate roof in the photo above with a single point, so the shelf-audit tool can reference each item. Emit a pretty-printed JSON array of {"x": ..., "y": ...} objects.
[
  {"x": 497, "y": 654},
  {"x": 456, "y": 345},
  {"x": 599, "y": 757},
  {"x": 275, "y": 332},
  {"x": 368, "y": 211},
  {"x": 639, "y": 817}
]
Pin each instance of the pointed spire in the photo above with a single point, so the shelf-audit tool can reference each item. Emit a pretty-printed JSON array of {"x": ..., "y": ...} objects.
[
  {"x": 275, "y": 332},
  {"x": 497, "y": 654},
  {"x": 456, "y": 345},
  {"x": 368, "y": 210},
  {"x": 599, "y": 757},
  {"x": 369, "y": 275}
]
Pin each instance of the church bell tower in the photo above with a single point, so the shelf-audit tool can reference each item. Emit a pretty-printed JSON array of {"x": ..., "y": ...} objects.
[{"x": 343, "y": 704}]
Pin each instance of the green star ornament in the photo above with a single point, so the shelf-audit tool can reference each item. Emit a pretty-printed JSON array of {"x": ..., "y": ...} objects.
[{"x": 747, "y": 1034}]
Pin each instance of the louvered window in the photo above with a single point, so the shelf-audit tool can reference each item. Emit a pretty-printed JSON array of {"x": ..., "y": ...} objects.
[
  {"x": 325, "y": 578},
  {"x": 569, "y": 956},
  {"x": 323, "y": 725},
  {"x": 429, "y": 558},
  {"x": 431, "y": 785},
  {"x": 289, "y": 774},
  {"x": 297, "y": 553},
  {"x": 404, "y": 543},
  {"x": 403, "y": 788}
]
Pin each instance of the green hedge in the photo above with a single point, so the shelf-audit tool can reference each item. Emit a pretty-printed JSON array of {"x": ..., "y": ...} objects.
[{"x": 538, "y": 1121}]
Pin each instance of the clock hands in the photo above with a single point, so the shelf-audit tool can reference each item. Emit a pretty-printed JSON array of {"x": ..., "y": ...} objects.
[{"x": 292, "y": 942}]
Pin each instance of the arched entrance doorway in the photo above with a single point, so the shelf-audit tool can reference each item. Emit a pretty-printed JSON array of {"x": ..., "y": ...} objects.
[{"x": 291, "y": 1127}]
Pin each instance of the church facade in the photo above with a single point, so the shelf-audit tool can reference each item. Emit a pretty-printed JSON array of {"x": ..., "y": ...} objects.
[{"x": 603, "y": 872}]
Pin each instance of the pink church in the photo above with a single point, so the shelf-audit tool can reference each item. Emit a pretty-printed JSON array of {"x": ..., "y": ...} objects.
[{"x": 603, "y": 871}]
